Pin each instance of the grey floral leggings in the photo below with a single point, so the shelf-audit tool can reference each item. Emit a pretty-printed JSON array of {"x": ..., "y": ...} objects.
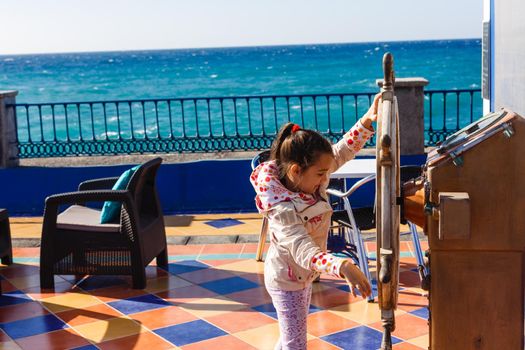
[{"x": 292, "y": 309}]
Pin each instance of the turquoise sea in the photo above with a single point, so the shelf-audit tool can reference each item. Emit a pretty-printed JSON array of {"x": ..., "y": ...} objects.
[{"x": 213, "y": 72}]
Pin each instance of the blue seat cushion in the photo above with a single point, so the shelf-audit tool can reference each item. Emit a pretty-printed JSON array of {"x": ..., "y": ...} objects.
[{"x": 111, "y": 210}]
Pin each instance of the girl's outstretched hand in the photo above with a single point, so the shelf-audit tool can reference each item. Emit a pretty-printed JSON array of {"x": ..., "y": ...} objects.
[
  {"x": 355, "y": 279},
  {"x": 372, "y": 113}
]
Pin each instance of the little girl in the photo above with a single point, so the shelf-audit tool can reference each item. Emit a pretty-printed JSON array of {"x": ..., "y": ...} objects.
[{"x": 291, "y": 193}]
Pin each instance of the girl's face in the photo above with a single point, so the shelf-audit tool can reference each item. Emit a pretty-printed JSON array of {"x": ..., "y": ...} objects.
[{"x": 310, "y": 179}]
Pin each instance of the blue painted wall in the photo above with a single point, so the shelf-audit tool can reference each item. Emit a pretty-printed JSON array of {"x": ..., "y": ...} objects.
[{"x": 211, "y": 186}]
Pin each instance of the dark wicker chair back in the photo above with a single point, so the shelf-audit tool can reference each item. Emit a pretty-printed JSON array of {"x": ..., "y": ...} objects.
[
  {"x": 142, "y": 187},
  {"x": 74, "y": 242}
]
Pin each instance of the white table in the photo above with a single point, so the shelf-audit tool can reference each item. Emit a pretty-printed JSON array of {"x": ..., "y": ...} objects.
[{"x": 356, "y": 168}]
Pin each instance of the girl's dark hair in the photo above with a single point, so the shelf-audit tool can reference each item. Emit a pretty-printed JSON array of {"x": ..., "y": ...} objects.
[{"x": 302, "y": 147}]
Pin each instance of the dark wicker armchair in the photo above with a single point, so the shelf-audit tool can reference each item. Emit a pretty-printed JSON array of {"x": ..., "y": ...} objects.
[{"x": 75, "y": 243}]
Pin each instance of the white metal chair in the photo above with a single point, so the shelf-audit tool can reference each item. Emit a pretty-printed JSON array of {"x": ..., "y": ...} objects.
[
  {"x": 355, "y": 220},
  {"x": 258, "y": 159}
]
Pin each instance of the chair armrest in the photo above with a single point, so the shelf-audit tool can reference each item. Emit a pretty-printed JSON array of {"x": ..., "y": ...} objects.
[
  {"x": 98, "y": 184},
  {"x": 123, "y": 196},
  {"x": 53, "y": 202},
  {"x": 360, "y": 183},
  {"x": 354, "y": 188},
  {"x": 334, "y": 192}
]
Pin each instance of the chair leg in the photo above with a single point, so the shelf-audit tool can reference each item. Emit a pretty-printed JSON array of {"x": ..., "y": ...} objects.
[
  {"x": 262, "y": 240},
  {"x": 363, "y": 258},
  {"x": 417, "y": 248},
  {"x": 162, "y": 258},
  {"x": 139, "y": 279},
  {"x": 360, "y": 246},
  {"x": 47, "y": 280},
  {"x": 7, "y": 260},
  {"x": 5, "y": 242}
]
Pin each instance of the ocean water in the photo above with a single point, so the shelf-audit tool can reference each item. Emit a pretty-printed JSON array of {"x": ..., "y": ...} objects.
[
  {"x": 226, "y": 72},
  {"x": 298, "y": 69}
]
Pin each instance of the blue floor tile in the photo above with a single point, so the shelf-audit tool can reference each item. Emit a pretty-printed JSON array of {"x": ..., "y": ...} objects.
[
  {"x": 313, "y": 309},
  {"x": 139, "y": 304},
  {"x": 229, "y": 285},
  {"x": 86, "y": 347},
  {"x": 358, "y": 338},
  {"x": 221, "y": 223},
  {"x": 174, "y": 258},
  {"x": 186, "y": 266},
  {"x": 71, "y": 278},
  {"x": 33, "y": 326},
  {"x": 96, "y": 282},
  {"x": 14, "y": 297},
  {"x": 423, "y": 313},
  {"x": 269, "y": 310},
  {"x": 219, "y": 256},
  {"x": 25, "y": 260},
  {"x": 190, "y": 332}
]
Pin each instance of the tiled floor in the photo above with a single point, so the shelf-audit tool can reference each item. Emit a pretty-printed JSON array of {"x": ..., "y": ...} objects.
[
  {"x": 211, "y": 297},
  {"x": 176, "y": 225}
]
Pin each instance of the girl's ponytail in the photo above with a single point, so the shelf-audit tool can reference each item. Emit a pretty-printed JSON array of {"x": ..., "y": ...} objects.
[{"x": 284, "y": 132}]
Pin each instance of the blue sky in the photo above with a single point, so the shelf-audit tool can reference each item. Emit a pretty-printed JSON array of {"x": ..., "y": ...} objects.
[{"x": 38, "y": 26}]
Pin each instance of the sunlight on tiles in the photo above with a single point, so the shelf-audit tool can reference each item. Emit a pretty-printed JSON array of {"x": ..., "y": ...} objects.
[
  {"x": 208, "y": 298},
  {"x": 113, "y": 328}
]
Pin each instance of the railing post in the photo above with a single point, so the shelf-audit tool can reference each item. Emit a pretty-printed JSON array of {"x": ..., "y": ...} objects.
[
  {"x": 410, "y": 100},
  {"x": 8, "y": 142}
]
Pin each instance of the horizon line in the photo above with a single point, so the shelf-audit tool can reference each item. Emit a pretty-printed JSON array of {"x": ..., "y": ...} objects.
[{"x": 235, "y": 47}]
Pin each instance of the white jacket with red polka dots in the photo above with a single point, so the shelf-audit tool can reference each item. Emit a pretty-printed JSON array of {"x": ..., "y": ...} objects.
[{"x": 299, "y": 222}]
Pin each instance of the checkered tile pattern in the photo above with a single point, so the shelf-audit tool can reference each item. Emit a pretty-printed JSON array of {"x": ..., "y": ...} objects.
[{"x": 210, "y": 297}]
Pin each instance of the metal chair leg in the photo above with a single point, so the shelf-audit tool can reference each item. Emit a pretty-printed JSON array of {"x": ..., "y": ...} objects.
[
  {"x": 417, "y": 248},
  {"x": 262, "y": 240},
  {"x": 363, "y": 260},
  {"x": 423, "y": 270},
  {"x": 360, "y": 246}
]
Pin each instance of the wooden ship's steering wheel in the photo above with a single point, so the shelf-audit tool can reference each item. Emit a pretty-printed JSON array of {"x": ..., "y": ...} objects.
[{"x": 387, "y": 208}]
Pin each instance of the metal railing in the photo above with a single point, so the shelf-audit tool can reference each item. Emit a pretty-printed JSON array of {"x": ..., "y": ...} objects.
[
  {"x": 208, "y": 124},
  {"x": 447, "y": 111}
]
